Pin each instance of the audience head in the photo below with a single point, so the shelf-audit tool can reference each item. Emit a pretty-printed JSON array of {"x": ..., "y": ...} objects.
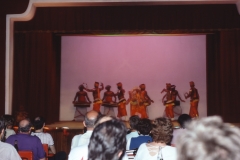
[
  {"x": 38, "y": 123},
  {"x": 144, "y": 126},
  {"x": 162, "y": 130},
  {"x": 133, "y": 121},
  {"x": 24, "y": 126},
  {"x": 2, "y": 128},
  {"x": 183, "y": 119},
  {"x": 103, "y": 118},
  {"x": 108, "y": 141},
  {"x": 9, "y": 120},
  {"x": 90, "y": 119},
  {"x": 209, "y": 139}
]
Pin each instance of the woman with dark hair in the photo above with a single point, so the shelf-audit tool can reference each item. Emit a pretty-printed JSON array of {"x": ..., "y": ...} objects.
[
  {"x": 144, "y": 127},
  {"x": 108, "y": 141},
  {"x": 158, "y": 149}
]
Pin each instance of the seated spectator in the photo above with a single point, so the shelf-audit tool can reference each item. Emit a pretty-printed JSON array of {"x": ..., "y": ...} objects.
[
  {"x": 89, "y": 121},
  {"x": 26, "y": 142},
  {"x": 81, "y": 152},
  {"x": 9, "y": 120},
  {"x": 108, "y": 141},
  {"x": 7, "y": 151},
  {"x": 144, "y": 127},
  {"x": 46, "y": 138},
  {"x": 133, "y": 121},
  {"x": 158, "y": 149},
  {"x": 182, "y": 120},
  {"x": 209, "y": 139}
]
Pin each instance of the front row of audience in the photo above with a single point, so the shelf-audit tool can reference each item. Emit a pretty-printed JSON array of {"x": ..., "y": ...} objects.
[{"x": 202, "y": 139}]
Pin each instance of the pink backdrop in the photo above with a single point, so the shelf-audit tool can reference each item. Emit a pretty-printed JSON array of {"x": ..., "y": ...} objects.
[{"x": 133, "y": 60}]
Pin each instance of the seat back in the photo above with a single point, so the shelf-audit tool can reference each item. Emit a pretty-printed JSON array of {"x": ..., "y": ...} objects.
[
  {"x": 45, "y": 147},
  {"x": 26, "y": 155}
]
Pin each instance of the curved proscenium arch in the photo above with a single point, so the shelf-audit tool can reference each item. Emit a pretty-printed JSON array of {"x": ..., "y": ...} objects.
[{"x": 30, "y": 12}]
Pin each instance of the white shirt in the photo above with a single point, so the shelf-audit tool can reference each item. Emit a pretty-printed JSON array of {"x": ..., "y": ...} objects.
[
  {"x": 8, "y": 152},
  {"x": 176, "y": 134},
  {"x": 81, "y": 153},
  {"x": 45, "y": 138},
  {"x": 167, "y": 152},
  {"x": 132, "y": 134},
  {"x": 81, "y": 139},
  {"x": 9, "y": 132},
  {"x": 129, "y": 136}
]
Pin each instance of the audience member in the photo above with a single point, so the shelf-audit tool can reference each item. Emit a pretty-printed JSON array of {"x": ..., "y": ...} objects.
[
  {"x": 7, "y": 151},
  {"x": 108, "y": 141},
  {"x": 9, "y": 120},
  {"x": 89, "y": 121},
  {"x": 27, "y": 142},
  {"x": 182, "y": 120},
  {"x": 158, "y": 149},
  {"x": 46, "y": 138},
  {"x": 144, "y": 127},
  {"x": 133, "y": 121},
  {"x": 209, "y": 139},
  {"x": 81, "y": 152}
]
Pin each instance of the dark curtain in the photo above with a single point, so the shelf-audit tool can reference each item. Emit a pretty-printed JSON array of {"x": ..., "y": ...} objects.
[
  {"x": 37, "y": 74},
  {"x": 223, "y": 74},
  {"x": 133, "y": 19}
]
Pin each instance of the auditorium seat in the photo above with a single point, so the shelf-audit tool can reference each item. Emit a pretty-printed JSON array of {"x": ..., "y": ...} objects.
[
  {"x": 45, "y": 147},
  {"x": 26, "y": 155}
]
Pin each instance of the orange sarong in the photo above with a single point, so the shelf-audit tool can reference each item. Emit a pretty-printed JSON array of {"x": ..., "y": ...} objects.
[
  {"x": 169, "y": 110},
  {"x": 194, "y": 108},
  {"x": 122, "y": 109},
  {"x": 143, "y": 111},
  {"x": 97, "y": 105}
]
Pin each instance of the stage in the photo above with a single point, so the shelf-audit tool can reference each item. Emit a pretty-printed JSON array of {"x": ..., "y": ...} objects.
[{"x": 79, "y": 125}]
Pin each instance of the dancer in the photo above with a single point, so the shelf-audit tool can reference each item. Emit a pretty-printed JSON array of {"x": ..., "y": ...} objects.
[
  {"x": 81, "y": 96},
  {"x": 108, "y": 101},
  {"x": 122, "y": 112},
  {"x": 96, "y": 96},
  {"x": 194, "y": 99},
  {"x": 169, "y": 103},
  {"x": 145, "y": 101}
]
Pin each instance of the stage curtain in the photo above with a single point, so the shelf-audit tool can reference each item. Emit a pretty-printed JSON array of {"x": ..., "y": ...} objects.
[
  {"x": 36, "y": 84},
  {"x": 223, "y": 78},
  {"x": 133, "y": 19}
]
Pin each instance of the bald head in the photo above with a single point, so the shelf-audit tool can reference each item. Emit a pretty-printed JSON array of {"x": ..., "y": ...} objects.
[
  {"x": 103, "y": 119},
  {"x": 24, "y": 126},
  {"x": 90, "y": 119}
]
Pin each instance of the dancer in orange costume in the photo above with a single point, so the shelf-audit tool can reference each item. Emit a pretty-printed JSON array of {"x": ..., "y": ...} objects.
[
  {"x": 145, "y": 101},
  {"x": 122, "y": 112},
  {"x": 194, "y": 99},
  {"x": 169, "y": 103},
  {"x": 96, "y": 96},
  {"x": 108, "y": 102},
  {"x": 134, "y": 100}
]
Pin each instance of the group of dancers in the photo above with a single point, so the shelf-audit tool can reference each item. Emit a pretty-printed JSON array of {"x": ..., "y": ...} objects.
[{"x": 138, "y": 99}]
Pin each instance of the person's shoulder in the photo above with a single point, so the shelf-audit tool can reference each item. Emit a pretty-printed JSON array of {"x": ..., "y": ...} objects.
[
  {"x": 77, "y": 136},
  {"x": 12, "y": 137},
  {"x": 7, "y": 146},
  {"x": 171, "y": 148}
]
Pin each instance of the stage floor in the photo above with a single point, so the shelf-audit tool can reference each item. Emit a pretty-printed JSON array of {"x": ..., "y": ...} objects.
[{"x": 79, "y": 125}]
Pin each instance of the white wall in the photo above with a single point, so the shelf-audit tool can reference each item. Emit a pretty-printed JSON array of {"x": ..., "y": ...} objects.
[{"x": 132, "y": 60}]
